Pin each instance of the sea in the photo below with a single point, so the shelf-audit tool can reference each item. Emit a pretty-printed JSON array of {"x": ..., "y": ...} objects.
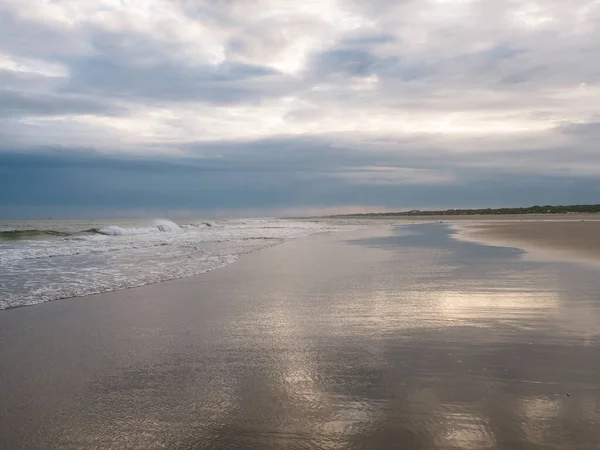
[{"x": 43, "y": 260}]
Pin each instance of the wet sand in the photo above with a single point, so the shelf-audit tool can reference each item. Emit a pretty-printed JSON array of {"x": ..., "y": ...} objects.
[
  {"x": 570, "y": 240},
  {"x": 383, "y": 338}
]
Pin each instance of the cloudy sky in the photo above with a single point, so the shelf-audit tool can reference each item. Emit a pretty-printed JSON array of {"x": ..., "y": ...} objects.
[{"x": 271, "y": 107}]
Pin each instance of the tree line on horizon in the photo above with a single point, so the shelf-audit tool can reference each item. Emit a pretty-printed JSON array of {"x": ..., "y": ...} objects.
[{"x": 537, "y": 209}]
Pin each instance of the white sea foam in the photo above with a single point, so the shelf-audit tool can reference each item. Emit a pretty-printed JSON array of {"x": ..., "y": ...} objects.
[
  {"x": 90, "y": 259},
  {"x": 166, "y": 225},
  {"x": 112, "y": 230},
  {"x": 158, "y": 225}
]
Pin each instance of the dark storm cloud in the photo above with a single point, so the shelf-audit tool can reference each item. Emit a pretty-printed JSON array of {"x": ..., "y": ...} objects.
[{"x": 206, "y": 186}]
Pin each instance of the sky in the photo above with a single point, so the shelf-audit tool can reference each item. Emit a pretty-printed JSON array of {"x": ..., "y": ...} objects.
[{"x": 148, "y": 108}]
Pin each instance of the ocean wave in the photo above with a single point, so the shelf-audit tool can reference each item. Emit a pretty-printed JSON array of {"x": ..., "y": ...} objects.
[
  {"x": 30, "y": 234},
  {"x": 159, "y": 225}
]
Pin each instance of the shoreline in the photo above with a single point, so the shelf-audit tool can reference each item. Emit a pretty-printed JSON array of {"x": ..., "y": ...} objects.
[
  {"x": 548, "y": 237},
  {"x": 183, "y": 277},
  {"x": 477, "y": 217}
]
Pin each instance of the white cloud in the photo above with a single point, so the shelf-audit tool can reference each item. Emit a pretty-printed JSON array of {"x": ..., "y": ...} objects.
[{"x": 32, "y": 66}]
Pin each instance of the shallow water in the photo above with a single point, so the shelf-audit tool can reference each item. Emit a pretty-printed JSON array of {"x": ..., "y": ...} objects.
[
  {"x": 46, "y": 260},
  {"x": 371, "y": 340}
]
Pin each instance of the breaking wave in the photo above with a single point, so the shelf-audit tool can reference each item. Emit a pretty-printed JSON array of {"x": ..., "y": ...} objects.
[
  {"x": 158, "y": 225},
  {"x": 161, "y": 225}
]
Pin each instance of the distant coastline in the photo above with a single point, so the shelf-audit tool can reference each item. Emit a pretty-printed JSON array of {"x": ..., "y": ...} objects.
[{"x": 537, "y": 209}]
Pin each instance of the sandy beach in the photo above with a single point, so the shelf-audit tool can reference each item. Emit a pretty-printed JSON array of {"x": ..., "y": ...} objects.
[
  {"x": 388, "y": 337},
  {"x": 561, "y": 239}
]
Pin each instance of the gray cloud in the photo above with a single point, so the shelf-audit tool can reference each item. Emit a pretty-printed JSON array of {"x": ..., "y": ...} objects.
[
  {"x": 19, "y": 103},
  {"x": 127, "y": 66},
  {"x": 25, "y": 34}
]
